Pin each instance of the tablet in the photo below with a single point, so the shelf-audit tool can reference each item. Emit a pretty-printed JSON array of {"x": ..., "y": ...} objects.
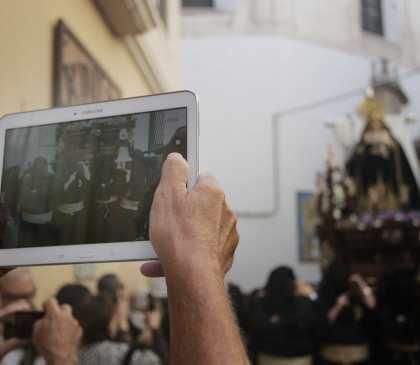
[{"x": 77, "y": 183}]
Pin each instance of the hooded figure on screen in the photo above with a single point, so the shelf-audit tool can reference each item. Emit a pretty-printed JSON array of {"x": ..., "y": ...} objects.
[
  {"x": 178, "y": 143},
  {"x": 71, "y": 186},
  {"x": 132, "y": 200},
  {"x": 35, "y": 205},
  {"x": 123, "y": 161},
  {"x": 104, "y": 201}
]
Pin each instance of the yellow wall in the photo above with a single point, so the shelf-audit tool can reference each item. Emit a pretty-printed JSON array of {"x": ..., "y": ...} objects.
[
  {"x": 26, "y": 50},
  {"x": 26, "y": 66},
  {"x": 49, "y": 278}
]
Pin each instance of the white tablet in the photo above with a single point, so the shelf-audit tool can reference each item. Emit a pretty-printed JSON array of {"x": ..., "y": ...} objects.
[{"x": 77, "y": 182}]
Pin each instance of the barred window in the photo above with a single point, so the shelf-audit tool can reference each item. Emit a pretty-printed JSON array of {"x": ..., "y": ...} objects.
[
  {"x": 200, "y": 3},
  {"x": 372, "y": 17}
]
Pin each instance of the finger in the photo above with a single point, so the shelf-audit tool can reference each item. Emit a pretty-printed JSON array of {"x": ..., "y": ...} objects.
[
  {"x": 228, "y": 222},
  {"x": 51, "y": 307},
  {"x": 229, "y": 264},
  {"x": 79, "y": 334},
  {"x": 206, "y": 180},
  {"x": 152, "y": 269},
  {"x": 233, "y": 239},
  {"x": 67, "y": 309},
  {"x": 175, "y": 172},
  {"x": 19, "y": 306},
  {"x": 232, "y": 244},
  {"x": 36, "y": 331}
]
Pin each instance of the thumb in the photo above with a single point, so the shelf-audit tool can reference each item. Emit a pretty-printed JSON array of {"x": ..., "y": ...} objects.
[
  {"x": 175, "y": 172},
  {"x": 152, "y": 269}
]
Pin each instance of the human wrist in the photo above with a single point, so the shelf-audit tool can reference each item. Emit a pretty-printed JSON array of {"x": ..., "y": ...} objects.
[
  {"x": 65, "y": 359},
  {"x": 192, "y": 268}
]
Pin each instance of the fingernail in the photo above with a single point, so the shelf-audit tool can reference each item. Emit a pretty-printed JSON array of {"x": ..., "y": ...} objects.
[{"x": 175, "y": 156}]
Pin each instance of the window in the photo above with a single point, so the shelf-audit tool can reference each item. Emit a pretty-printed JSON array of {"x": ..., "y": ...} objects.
[
  {"x": 163, "y": 11},
  {"x": 372, "y": 17},
  {"x": 201, "y": 3}
]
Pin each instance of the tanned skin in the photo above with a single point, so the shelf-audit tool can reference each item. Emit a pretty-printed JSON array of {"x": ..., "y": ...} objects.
[
  {"x": 57, "y": 336},
  {"x": 195, "y": 237}
]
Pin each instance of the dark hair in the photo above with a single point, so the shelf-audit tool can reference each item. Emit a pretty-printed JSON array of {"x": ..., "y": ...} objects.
[
  {"x": 335, "y": 281},
  {"x": 95, "y": 318},
  {"x": 75, "y": 295},
  {"x": 110, "y": 285},
  {"x": 280, "y": 291}
]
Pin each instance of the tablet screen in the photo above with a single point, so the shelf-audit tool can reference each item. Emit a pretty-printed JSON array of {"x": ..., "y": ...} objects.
[{"x": 88, "y": 181}]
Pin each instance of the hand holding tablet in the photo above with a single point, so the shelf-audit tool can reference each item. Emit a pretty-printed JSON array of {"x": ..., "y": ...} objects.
[
  {"x": 78, "y": 182},
  {"x": 193, "y": 229}
]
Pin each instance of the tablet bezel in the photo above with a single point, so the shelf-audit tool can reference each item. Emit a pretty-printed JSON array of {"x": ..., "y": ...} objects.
[{"x": 98, "y": 252}]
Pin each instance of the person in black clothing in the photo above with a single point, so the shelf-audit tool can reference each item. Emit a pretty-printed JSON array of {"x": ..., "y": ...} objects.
[
  {"x": 399, "y": 307},
  {"x": 71, "y": 186},
  {"x": 132, "y": 200},
  {"x": 111, "y": 286},
  {"x": 104, "y": 204},
  {"x": 35, "y": 205},
  {"x": 283, "y": 324},
  {"x": 76, "y": 296},
  {"x": 349, "y": 304},
  {"x": 98, "y": 346},
  {"x": 11, "y": 189},
  {"x": 177, "y": 143}
]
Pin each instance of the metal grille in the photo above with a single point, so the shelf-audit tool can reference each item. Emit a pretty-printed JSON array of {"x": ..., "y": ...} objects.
[
  {"x": 202, "y": 3},
  {"x": 372, "y": 20}
]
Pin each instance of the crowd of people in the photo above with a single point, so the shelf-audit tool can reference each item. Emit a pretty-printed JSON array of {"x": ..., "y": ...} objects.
[
  {"x": 118, "y": 327},
  {"x": 343, "y": 320},
  {"x": 96, "y": 189}
]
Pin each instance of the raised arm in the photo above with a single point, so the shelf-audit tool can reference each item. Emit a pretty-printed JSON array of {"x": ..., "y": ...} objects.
[{"x": 194, "y": 234}]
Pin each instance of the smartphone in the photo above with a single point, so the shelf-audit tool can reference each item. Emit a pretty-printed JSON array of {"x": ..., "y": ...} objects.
[{"x": 21, "y": 324}]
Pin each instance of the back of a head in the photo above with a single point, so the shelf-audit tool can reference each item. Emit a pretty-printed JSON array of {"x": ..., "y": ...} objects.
[
  {"x": 95, "y": 317},
  {"x": 280, "y": 279},
  {"x": 17, "y": 284},
  {"x": 335, "y": 281},
  {"x": 110, "y": 285},
  {"x": 280, "y": 288},
  {"x": 75, "y": 295}
]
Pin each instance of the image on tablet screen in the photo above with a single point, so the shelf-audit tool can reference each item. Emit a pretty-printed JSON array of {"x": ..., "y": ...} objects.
[{"x": 88, "y": 181}]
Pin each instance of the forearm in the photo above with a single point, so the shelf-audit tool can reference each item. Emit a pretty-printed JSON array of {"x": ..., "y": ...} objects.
[
  {"x": 369, "y": 298},
  {"x": 203, "y": 328},
  {"x": 334, "y": 312}
]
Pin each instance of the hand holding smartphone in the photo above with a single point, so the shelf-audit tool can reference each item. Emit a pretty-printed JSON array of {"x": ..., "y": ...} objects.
[{"x": 20, "y": 324}]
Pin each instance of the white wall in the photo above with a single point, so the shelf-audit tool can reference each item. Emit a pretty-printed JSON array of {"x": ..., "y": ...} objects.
[
  {"x": 337, "y": 26},
  {"x": 241, "y": 82}
]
